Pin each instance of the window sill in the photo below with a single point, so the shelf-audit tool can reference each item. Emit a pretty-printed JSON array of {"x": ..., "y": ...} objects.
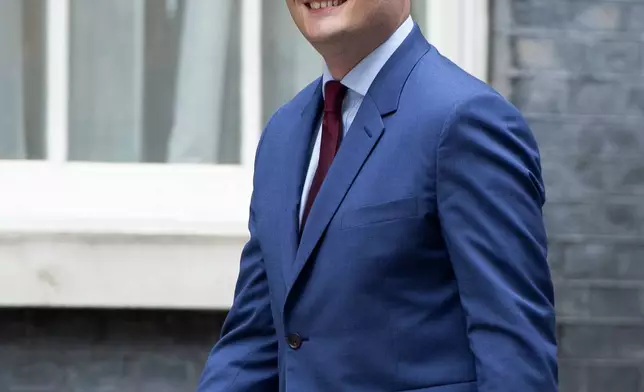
[
  {"x": 41, "y": 197},
  {"x": 121, "y": 236},
  {"x": 118, "y": 271}
]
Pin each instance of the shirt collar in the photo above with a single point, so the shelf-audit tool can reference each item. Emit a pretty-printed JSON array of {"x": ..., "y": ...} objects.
[{"x": 360, "y": 78}]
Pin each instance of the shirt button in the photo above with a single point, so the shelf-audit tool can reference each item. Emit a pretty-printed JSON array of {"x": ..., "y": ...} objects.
[{"x": 294, "y": 341}]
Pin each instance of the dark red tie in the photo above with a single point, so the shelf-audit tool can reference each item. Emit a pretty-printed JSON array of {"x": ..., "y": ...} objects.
[{"x": 334, "y": 93}]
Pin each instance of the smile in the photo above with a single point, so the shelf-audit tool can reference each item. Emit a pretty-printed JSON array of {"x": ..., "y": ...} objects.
[{"x": 319, "y": 5}]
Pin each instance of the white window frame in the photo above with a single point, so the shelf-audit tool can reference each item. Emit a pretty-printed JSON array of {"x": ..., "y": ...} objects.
[
  {"x": 57, "y": 197},
  {"x": 459, "y": 29}
]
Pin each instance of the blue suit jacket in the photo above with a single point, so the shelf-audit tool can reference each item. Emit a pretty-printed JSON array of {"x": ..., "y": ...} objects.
[{"x": 422, "y": 266}]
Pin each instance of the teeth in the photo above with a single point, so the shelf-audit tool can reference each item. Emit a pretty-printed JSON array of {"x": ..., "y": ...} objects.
[{"x": 316, "y": 5}]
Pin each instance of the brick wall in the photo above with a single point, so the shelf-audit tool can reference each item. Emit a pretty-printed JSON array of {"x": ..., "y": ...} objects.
[
  {"x": 104, "y": 351},
  {"x": 576, "y": 70}
]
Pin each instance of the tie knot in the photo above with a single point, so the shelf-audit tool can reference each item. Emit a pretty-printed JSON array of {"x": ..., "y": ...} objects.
[{"x": 334, "y": 93}]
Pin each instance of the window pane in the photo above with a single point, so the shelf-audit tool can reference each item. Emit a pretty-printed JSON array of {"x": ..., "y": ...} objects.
[
  {"x": 21, "y": 79},
  {"x": 419, "y": 13},
  {"x": 155, "y": 81},
  {"x": 289, "y": 61}
]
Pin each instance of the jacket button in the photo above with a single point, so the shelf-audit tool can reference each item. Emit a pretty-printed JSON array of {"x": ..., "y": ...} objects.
[{"x": 294, "y": 341}]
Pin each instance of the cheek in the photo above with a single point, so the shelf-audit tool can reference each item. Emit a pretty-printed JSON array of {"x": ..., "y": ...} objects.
[
  {"x": 360, "y": 12},
  {"x": 362, "y": 7}
]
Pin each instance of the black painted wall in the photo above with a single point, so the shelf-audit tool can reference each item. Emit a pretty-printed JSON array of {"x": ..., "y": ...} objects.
[{"x": 103, "y": 350}]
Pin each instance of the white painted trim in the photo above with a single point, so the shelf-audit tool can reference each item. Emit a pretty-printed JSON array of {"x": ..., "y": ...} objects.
[
  {"x": 38, "y": 197},
  {"x": 118, "y": 271},
  {"x": 459, "y": 30},
  {"x": 251, "y": 78},
  {"x": 57, "y": 79},
  {"x": 477, "y": 38},
  {"x": 138, "y": 9}
]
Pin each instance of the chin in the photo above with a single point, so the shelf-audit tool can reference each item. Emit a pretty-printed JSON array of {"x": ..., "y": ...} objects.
[
  {"x": 326, "y": 32},
  {"x": 322, "y": 37}
]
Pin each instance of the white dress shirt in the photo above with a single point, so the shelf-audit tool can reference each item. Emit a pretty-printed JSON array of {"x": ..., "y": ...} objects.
[{"x": 358, "y": 82}]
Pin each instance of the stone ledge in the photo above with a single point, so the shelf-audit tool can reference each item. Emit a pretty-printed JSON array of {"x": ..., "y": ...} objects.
[{"x": 118, "y": 271}]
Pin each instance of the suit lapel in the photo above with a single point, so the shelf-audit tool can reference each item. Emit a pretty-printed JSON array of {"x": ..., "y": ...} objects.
[
  {"x": 365, "y": 132},
  {"x": 296, "y": 162},
  {"x": 354, "y": 150}
]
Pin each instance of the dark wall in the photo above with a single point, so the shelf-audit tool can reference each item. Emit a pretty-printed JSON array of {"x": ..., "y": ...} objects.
[
  {"x": 576, "y": 70},
  {"x": 104, "y": 350}
]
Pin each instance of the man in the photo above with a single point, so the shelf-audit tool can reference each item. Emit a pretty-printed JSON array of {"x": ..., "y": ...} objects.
[{"x": 397, "y": 241}]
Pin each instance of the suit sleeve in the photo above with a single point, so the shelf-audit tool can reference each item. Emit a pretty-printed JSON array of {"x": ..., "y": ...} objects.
[
  {"x": 245, "y": 357},
  {"x": 490, "y": 196}
]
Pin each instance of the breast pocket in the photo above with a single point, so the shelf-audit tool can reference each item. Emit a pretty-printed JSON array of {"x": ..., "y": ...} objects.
[{"x": 380, "y": 213}]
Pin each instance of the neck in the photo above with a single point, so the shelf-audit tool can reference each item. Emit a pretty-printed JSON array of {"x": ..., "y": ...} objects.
[{"x": 342, "y": 57}]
